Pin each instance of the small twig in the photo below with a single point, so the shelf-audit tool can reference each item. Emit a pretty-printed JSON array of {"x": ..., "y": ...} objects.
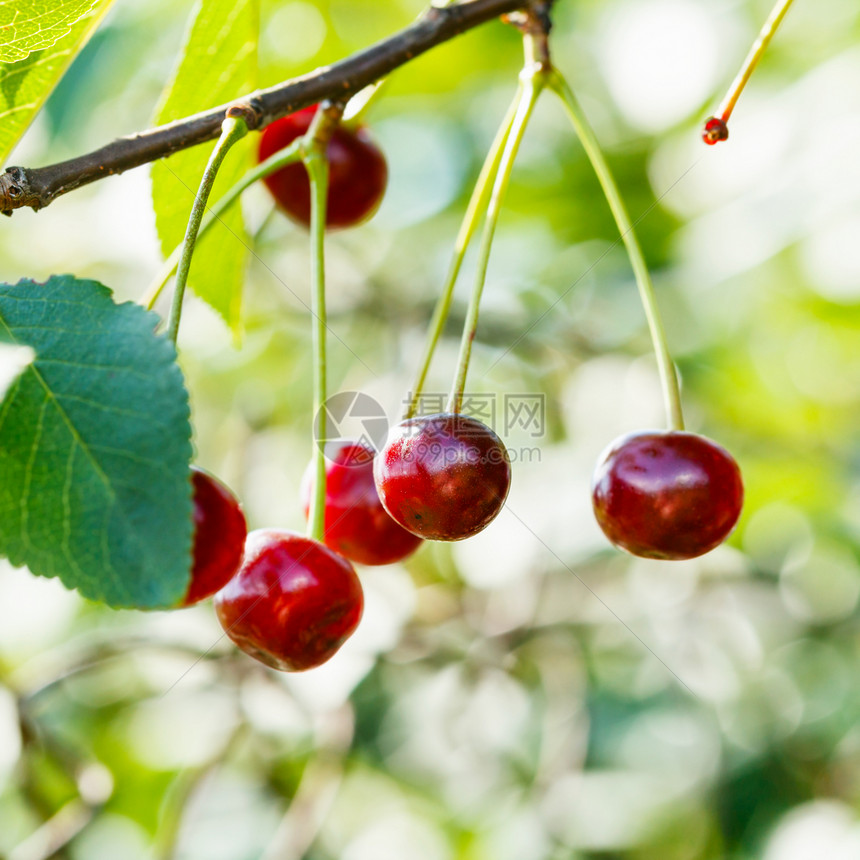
[
  {"x": 306, "y": 814},
  {"x": 55, "y": 833},
  {"x": 92, "y": 655},
  {"x": 94, "y": 785},
  {"x": 184, "y": 788},
  {"x": 38, "y": 187},
  {"x": 316, "y": 792}
]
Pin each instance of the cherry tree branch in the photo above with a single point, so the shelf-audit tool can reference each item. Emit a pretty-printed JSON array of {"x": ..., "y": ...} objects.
[{"x": 38, "y": 187}]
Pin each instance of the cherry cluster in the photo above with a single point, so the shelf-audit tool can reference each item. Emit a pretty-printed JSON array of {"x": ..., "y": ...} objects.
[
  {"x": 291, "y": 601},
  {"x": 284, "y": 598}
]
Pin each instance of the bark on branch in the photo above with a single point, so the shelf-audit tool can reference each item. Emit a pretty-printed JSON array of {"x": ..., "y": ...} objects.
[{"x": 37, "y": 187}]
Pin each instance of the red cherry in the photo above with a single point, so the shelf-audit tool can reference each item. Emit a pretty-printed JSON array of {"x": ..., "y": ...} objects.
[
  {"x": 357, "y": 172},
  {"x": 669, "y": 495},
  {"x": 293, "y": 603},
  {"x": 443, "y": 477},
  {"x": 356, "y": 524},
  {"x": 219, "y": 537},
  {"x": 715, "y": 131}
]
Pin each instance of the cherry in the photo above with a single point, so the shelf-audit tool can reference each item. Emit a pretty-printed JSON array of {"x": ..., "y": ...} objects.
[
  {"x": 357, "y": 172},
  {"x": 293, "y": 603},
  {"x": 356, "y": 524},
  {"x": 443, "y": 476},
  {"x": 219, "y": 537},
  {"x": 670, "y": 495},
  {"x": 715, "y": 131}
]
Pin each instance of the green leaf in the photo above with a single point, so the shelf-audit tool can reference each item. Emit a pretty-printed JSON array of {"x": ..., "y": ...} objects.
[
  {"x": 26, "y": 84},
  {"x": 32, "y": 25},
  {"x": 95, "y": 446},
  {"x": 219, "y": 64}
]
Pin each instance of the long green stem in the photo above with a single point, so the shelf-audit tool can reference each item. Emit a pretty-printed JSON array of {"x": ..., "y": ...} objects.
[
  {"x": 233, "y": 129},
  {"x": 724, "y": 111},
  {"x": 477, "y": 205},
  {"x": 288, "y": 155},
  {"x": 317, "y": 167},
  {"x": 668, "y": 377},
  {"x": 533, "y": 81}
]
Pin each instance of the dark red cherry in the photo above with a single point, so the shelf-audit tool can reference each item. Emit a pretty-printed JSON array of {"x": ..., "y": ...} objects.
[
  {"x": 357, "y": 172},
  {"x": 356, "y": 524},
  {"x": 715, "y": 131},
  {"x": 219, "y": 537},
  {"x": 444, "y": 476},
  {"x": 669, "y": 495},
  {"x": 293, "y": 602}
]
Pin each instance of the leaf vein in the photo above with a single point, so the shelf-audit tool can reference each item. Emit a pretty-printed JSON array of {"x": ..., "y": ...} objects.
[
  {"x": 28, "y": 476},
  {"x": 106, "y": 407},
  {"x": 88, "y": 366},
  {"x": 67, "y": 515}
]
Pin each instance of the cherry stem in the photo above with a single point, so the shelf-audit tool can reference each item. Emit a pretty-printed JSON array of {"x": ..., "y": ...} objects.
[
  {"x": 724, "y": 111},
  {"x": 477, "y": 205},
  {"x": 668, "y": 376},
  {"x": 532, "y": 80},
  {"x": 314, "y": 144},
  {"x": 288, "y": 155},
  {"x": 233, "y": 129}
]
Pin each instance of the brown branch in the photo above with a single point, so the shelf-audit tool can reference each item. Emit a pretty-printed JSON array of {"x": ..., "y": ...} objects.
[{"x": 21, "y": 186}]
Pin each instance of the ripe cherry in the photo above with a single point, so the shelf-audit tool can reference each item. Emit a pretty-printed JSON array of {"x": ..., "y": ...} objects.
[
  {"x": 357, "y": 172},
  {"x": 293, "y": 603},
  {"x": 670, "y": 495},
  {"x": 219, "y": 537},
  {"x": 715, "y": 131},
  {"x": 356, "y": 524},
  {"x": 444, "y": 476}
]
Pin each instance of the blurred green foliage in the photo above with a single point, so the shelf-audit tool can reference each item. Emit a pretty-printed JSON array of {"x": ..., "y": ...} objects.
[{"x": 530, "y": 694}]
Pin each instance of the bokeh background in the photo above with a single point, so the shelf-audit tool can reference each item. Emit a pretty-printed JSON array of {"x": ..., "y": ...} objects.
[{"x": 532, "y": 693}]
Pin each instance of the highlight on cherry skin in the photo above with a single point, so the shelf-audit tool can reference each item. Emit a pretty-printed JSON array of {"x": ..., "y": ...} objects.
[
  {"x": 358, "y": 172},
  {"x": 356, "y": 524},
  {"x": 293, "y": 603},
  {"x": 666, "y": 494},
  {"x": 444, "y": 476},
  {"x": 219, "y": 537}
]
